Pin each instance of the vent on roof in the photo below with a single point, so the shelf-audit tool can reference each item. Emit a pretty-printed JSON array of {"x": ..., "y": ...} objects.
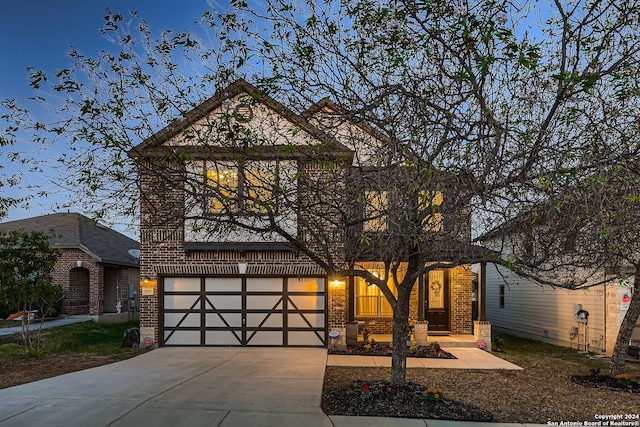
[{"x": 134, "y": 253}]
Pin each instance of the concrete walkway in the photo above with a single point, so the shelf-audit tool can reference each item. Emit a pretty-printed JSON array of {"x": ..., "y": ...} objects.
[
  {"x": 467, "y": 358},
  {"x": 191, "y": 387},
  {"x": 48, "y": 324}
]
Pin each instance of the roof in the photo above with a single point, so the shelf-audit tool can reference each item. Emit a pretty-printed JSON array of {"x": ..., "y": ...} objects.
[
  {"x": 76, "y": 231},
  {"x": 211, "y": 104}
]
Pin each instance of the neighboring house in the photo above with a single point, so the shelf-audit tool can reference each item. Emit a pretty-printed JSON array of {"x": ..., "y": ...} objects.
[
  {"x": 98, "y": 267},
  {"x": 522, "y": 307},
  {"x": 208, "y": 286}
]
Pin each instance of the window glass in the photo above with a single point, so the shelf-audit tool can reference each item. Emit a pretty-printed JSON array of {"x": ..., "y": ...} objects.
[
  {"x": 369, "y": 300},
  {"x": 431, "y": 202},
  {"x": 223, "y": 180},
  {"x": 259, "y": 182},
  {"x": 375, "y": 210}
]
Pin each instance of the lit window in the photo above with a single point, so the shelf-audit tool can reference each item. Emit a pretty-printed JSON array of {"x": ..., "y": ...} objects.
[
  {"x": 431, "y": 202},
  {"x": 248, "y": 187},
  {"x": 224, "y": 184},
  {"x": 369, "y": 300},
  {"x": 375, "y": 210}
]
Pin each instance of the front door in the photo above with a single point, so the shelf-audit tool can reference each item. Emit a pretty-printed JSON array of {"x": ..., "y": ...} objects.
[{"x": 436, "y": 303}]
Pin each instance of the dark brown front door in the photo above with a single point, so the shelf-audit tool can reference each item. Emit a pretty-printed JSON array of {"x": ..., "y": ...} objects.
[{"x": 436, "y": 303}]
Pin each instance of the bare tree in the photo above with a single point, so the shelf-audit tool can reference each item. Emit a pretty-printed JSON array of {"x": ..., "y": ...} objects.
[{"x": 445, "y": 117}]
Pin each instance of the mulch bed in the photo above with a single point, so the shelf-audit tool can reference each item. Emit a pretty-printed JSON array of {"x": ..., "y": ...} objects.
[
  {"x": 605, "y": 382},
  {"x": 383, "y": 349},
  {"x": 381, "y": 399}
]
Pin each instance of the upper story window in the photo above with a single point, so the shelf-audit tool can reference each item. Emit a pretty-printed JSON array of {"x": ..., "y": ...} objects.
[
  {"x": 248, "y": 187},
  {"x": 430, "y": 203},
  {"x": 375, "y": 210}
]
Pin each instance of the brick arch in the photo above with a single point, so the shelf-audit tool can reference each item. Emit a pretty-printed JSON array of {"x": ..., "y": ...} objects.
[{"x": 77, "y": 301}]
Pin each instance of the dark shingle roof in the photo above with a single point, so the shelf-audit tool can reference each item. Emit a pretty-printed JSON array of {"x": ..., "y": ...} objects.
[{"x": 77, "y": 231}]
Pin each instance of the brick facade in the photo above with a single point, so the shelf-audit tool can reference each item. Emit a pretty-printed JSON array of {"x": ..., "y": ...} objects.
[
  {"x": 460, "y": 309},
  {"x": 84, "y": 284}
]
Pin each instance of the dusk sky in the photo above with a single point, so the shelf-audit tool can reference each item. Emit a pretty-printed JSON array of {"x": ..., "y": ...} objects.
[{"x": 38, "y": 34}]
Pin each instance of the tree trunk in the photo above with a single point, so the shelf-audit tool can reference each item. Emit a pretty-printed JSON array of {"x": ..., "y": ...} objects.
[
  {"x": 400, "y": 334},
  {"x": 619, "y": 356}
]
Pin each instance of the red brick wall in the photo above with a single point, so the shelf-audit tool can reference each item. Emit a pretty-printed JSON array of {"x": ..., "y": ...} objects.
[
  {"x": 71, "y": 277},
  {"x": 62, "y": 275},
  {"x": 461, "y": 289}
]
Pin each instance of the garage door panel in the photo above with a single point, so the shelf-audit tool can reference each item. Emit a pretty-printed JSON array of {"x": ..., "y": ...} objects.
[
  {"x": 307, "y": 302},
  {"x": 270, "y": 284},
  {"x": 181, "y": 302},
  {"x": 226, "y": 302},
  {"x": 215, "y": 320},
  {"x": 223, "y": 284},
  {"x": 305, "y": 284},
  {"x": 171, "y": 320},
  {"x": 182, "y": 284},
  {"x": 222, "y": 338},
  {"x": 299, "y": 320},
  {"x": 264, "y": 302},
  {"x": 274, "y": 338},
  {"x": 271, "y": 320},
  {"x": 181, "y": 337}
]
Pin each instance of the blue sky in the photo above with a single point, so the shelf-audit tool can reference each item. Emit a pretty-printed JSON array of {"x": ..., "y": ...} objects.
[{"x": 38, "y": 33}]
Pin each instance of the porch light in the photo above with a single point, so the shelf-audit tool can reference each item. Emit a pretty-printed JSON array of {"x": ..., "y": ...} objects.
[
  {"x": 337, "y": 283},
  {"x": 147, "y": 285},
  {"x": 242, "y": 268},
  {"x": 79, "y": 264}
]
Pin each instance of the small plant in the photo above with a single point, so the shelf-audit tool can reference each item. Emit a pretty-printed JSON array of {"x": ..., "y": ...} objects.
[
  {"x": 365, "y": 394},
  {"x": 498, "y": 344},
  {"x": 624, "y": 379},
  {"x": 434, "y": 394},
  {"x": 595, "y": 372}
]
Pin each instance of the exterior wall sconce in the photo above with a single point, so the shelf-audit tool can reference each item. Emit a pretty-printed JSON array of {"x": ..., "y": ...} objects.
[
  {"x": 79, "y": 264},
  {"x": 337, "y": 283},
  {"x": 242, "y": 267},
  {"x": 147, "y": 285}
]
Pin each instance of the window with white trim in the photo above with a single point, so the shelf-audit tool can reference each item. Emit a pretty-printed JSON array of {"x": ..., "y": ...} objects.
[{"x": 248, "y": 187}]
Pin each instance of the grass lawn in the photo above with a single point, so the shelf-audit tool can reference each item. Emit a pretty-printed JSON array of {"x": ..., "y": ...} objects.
[{"x": 64, "y": 349}]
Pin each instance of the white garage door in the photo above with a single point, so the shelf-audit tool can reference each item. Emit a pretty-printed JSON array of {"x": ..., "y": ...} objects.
[{"x": 244, "y": 311}]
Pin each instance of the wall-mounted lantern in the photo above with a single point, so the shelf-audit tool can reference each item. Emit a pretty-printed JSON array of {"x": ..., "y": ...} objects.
[
  {"x": 147, "y": 285},
  {"x": 337, "y": 283},
  {"x": 79, "y": 264}
]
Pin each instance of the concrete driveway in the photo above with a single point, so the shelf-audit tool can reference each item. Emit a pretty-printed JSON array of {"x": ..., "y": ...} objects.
[{"x": 179, "y": 387}]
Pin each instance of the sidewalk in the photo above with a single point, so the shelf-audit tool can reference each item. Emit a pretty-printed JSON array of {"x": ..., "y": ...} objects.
[{"x": 48, "y": 324}]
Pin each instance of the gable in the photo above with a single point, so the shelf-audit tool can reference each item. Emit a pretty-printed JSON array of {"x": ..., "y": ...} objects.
[{"x": 241, "y": 117}]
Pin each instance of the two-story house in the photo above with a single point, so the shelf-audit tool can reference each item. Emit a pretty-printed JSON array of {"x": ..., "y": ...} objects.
[{"x": 228, "y": 193}]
